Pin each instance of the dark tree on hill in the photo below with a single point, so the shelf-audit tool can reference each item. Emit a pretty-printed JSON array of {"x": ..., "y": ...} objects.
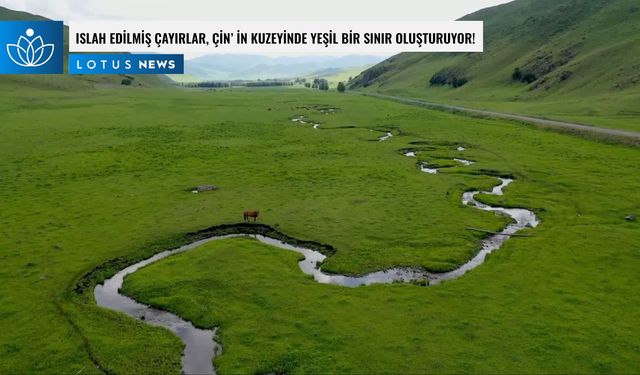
[
  {"x": 438, "y": 79},
  {"x": 517, "y": 75},
  {"x": 458, "y": 82},
  {"x": 529, "y": 77},
  {"x": 449, "y": 77},
  {"x": 341, "y": 87},
  {"x": 126, "y": 82},
  {"x": 307, "y": 85},
  {"x": 370, "y": 75}
]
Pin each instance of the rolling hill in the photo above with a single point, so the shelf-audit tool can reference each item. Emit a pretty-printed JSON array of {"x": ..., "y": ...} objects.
[{"x": 576, "y": 60}]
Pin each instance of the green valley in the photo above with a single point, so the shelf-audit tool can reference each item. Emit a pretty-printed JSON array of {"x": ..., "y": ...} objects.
[{"x": 111, "y": 196}]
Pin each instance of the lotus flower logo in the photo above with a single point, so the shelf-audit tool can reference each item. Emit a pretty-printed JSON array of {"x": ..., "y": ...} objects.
[{"x": 30, "y": 51}]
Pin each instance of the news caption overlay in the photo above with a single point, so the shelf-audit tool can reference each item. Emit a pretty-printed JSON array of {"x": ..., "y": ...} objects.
[{"x": 158, "y": 47}]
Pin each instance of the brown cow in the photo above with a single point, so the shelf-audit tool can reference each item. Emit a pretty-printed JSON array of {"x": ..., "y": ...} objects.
[{"x": 248, "y": 214}]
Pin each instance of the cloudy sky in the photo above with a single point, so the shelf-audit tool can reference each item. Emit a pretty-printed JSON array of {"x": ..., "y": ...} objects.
[{"x": 68, "y": 10}]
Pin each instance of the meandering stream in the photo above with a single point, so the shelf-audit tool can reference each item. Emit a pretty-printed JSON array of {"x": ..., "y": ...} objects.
[{"x": 200, "y": 345}]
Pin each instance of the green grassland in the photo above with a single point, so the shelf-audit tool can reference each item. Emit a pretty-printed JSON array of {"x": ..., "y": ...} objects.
[
  {"x": 101, "y": 173},
  {"x": 584, "y": 54}
]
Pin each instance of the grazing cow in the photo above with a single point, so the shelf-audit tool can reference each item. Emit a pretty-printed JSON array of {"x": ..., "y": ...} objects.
[{"x": 248, "y": 214}]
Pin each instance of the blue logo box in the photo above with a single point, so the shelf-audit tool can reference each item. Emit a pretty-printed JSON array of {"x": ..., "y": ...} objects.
[
  {"x": 108, "y": 63},
  {"x": 31, "y": 47}
]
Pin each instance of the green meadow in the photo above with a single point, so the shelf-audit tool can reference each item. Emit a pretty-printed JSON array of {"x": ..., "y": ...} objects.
[{"x": 96, "y": 178}]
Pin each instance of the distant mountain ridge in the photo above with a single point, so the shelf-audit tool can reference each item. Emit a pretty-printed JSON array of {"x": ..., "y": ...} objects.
[{"x": 249, "y": 67}]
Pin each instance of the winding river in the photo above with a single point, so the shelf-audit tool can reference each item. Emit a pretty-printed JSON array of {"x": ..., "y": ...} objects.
[{"x": 200, "y": 345}]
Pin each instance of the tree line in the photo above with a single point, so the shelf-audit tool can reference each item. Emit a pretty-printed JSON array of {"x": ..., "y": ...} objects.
[
  {"x": 317, "y": 83},
  {"x": 227, "y": 84}
]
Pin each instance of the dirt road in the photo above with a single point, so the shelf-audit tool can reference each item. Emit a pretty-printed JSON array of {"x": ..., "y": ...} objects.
[{"x": 528, "y": 119}]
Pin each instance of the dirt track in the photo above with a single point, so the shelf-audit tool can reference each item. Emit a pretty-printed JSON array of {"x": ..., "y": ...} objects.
[{"x": 528, "y": 119}]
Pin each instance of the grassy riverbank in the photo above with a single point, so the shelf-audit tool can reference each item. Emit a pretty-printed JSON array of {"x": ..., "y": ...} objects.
[
  {"x": 274, "y": 318},
  {"x": 91, "y": 176}
]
